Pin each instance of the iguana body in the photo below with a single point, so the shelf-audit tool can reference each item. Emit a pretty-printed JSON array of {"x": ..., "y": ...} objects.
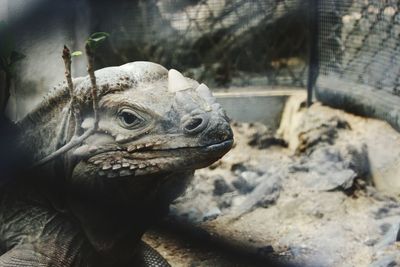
[{"x": 91, "y": 206}]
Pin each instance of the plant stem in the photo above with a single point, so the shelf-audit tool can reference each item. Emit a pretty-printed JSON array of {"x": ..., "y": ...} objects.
[
  {"x": 76, "y": 140},
  {"x": 75, "y": 108},
  {"x": 90, "y": 69}
]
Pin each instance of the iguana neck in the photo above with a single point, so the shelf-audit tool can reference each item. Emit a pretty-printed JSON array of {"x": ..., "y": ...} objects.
[{"x": 40, "y": 128}]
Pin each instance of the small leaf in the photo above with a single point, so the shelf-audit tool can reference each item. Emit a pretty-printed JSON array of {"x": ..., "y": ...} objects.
[
  {"x": 96, "y": 39},
  {"x": 76, "y": 53},
  {"x": 99, "y": 35}
]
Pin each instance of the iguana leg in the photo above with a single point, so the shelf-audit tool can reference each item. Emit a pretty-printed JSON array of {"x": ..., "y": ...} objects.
[
  {"x": 30, "y": 256},
  {"x": 19, "y": 257},
  {"x": 46, "y": 255},
  {"x": 36, "y": 236},
  {"x": 47, "y": 241}
]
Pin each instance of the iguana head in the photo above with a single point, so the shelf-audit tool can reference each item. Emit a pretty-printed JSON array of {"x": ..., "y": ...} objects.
[
  {"x": 151, "y": 121},
  {"x": 155, "y": 128}
]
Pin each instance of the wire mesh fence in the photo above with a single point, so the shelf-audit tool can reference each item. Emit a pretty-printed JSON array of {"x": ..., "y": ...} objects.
[
  {"x": 355, "y": 46},
  {"x": 359, "y": 51},
  {"x": 228, "y": 42}
]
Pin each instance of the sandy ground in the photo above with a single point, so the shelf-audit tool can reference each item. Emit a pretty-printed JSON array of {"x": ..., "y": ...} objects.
[{"x": 305, "y": 194}]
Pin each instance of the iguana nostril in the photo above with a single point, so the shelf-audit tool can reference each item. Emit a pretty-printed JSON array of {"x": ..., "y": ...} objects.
[
  {"x": 196, "y": 124},
  {"x": 193, "y": 124}
]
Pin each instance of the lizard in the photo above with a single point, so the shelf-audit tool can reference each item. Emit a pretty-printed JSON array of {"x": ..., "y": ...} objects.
[{"x": 91, "y": 205}]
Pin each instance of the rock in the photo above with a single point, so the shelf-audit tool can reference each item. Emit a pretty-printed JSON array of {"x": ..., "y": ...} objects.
[
  {"x": 211, "y": 214},
  {"x": 334, "y": 179},
  {"x": 385, "y": 227},
  {"x": 389, "y": 233},
  {"x": 264, "y": 137},
  {"x": 323, "y": 144},
  {"x": 390, "y": 208},
  {"x": 265, "y": 194},
  {"x": 238, "y": 200},
  {"x": 221, "y": 186},
  {"x": 250, "y": 176},
  {"x": 266, "y": 142},
  {"x": 246, "y": 181},
  {"x": 265, "y": 251},
  {"x": 331, "y": 168},
  {"x": 247, "y": 178},
  {"x": 242, "y": 185},
  {"x": 317, "y": 132},
  {"x": 386, "y": 261},
  {"x": 303, "y": 129},
  {"x": 371, "y": 242},
  {"x": 225, "y": 201},
  {"x": 191, "y": 214},
  {"x": 237, "y": 168}
]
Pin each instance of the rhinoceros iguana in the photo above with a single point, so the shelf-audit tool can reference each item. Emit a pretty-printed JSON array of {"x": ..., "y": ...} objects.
[{"x": 91, "y": 205}]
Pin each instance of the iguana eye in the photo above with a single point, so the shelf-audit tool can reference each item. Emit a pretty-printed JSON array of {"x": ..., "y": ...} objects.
[{"x": 129, "y": 119}]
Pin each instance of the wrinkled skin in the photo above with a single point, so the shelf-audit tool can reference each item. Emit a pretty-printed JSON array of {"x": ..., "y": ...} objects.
[{"x": 91, "y": 206}]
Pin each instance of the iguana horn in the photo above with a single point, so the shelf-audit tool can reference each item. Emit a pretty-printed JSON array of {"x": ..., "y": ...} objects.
[
  {"x": 205, "y": 93},
  {"x": 176, "y": 81}
]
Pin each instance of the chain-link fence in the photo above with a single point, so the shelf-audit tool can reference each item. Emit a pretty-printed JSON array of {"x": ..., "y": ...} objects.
[
  {"x": 359, "y": 55},
  {"x": 354, "y": 44},
  {"x": 221, "y": 42}
]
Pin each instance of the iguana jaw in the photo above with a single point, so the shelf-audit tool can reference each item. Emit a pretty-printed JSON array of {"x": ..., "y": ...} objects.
[{"x": 119, "y": 162}]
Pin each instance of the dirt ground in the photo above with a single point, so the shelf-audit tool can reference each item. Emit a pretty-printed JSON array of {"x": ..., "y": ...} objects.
[{"x": 306, "y": 194}]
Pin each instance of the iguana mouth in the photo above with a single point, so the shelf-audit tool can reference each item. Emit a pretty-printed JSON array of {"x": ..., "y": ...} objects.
[
  {"x": 219, "y": 146},
  {"x": 207, "y": 148},
  {"x": 121, "y": 163}
]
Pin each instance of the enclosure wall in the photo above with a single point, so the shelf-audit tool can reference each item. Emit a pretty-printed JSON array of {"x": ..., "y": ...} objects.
[{"x": 359, "y": 53}]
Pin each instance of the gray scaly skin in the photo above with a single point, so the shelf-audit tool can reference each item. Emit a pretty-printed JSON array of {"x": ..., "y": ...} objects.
[{"x": 91, "y": 206}]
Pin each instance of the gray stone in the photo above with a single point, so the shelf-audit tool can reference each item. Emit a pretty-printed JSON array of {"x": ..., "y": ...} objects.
[
  {"x": 332, "y": 168},
  {"x": 389, "y": 236},
  {"x": 398, "y": 234},
  {"x": 242, "y": 185},
  {"x": 386, "y": 261},
  {"x": 265, "y": 194},
  {"x": 211, "y": 214},
  {"x": 221, "y": 186}
]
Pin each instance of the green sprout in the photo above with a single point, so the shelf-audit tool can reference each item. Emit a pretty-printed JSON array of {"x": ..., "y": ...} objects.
[
  {"x": 96, "y": 39},
  {"x": 76, "y": 54}
]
